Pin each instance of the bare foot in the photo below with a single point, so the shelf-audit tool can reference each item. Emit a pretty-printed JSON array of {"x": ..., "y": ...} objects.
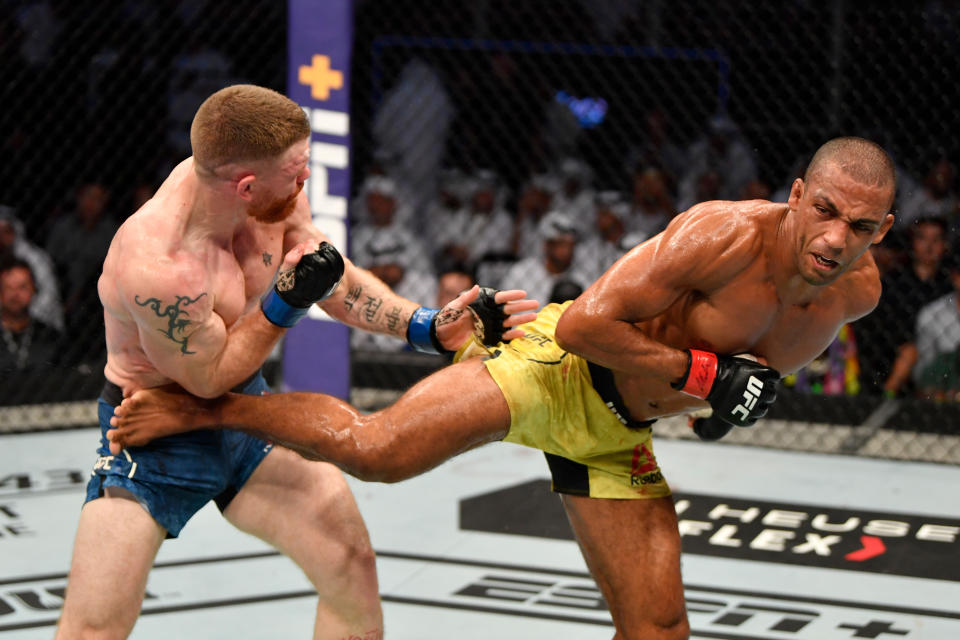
[{"x": 154, "y": 413}]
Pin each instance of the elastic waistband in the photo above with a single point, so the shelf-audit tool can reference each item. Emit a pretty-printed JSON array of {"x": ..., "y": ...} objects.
[
  {"x": 604, "y": 385},
  {"x": 113, "y": 394}
]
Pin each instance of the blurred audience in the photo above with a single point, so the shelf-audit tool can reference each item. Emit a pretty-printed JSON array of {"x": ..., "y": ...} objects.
[
  {"x": 483, "y": 229},
  {"x": 933, "y": 198},
  {"x": 652, "y": 207},
  {"x": 888, "y": 349},
  {"x": 937, "y": 369},
  {"x": 723, "y": 151},
  {"x": 45, "y": 305},
  {"x": 29, "y": 345},
  {"x": 78, "y": 243},
  {"x": 538, "y": 275}
]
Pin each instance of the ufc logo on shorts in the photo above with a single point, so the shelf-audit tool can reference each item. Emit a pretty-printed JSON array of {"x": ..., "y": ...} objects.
[{"x": 754, "y": 387}]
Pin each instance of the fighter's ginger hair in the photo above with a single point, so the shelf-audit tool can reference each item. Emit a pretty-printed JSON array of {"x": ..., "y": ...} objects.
[
  {"x": 863, "y": 160},
  {"x": 244, "y": 123}
]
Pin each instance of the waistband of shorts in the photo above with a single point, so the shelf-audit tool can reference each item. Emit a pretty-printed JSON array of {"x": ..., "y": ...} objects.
[
  {"x": 607, "y": 389},
  {"x": 113, "y": 394}
]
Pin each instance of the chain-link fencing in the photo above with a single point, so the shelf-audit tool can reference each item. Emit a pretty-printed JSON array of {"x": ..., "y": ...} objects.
[{"x": 521, "y": 144}]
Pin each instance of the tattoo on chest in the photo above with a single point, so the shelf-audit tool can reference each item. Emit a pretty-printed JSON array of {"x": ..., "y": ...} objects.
[
  {"x": 177, "y": 318},
  {"x": 267, "y": 259}
]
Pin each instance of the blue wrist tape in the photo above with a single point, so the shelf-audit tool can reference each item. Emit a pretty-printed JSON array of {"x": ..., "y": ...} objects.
[
  {"x": 279, "y": 312},
  {"x": 418, "y": 331}
]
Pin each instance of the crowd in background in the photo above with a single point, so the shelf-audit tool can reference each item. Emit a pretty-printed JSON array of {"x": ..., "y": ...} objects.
[{"x": 463, "y": 175}]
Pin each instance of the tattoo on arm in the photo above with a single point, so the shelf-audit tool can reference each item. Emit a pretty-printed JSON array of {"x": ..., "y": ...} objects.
[
  {"x": 351, "y": 298},
  {"x": 371, "y": 308},
  {"x": 394, "y": 320},
  {"x": 267, "y": 259},
  {"x": 177, "y": 318}
]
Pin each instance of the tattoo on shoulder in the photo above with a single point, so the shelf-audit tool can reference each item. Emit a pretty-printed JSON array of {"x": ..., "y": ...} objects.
[{"x": 177, "y": 318}]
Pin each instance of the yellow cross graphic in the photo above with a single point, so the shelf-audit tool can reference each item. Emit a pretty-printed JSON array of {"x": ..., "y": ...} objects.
[{"x": 320, "y": 77}]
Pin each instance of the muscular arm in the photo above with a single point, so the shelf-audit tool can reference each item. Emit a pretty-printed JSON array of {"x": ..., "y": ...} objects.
[
  {"x": 699, "y": 251},
  {"x": 185, "y": 339}
]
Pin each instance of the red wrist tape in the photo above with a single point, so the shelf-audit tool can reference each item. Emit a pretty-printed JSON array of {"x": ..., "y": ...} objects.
[{"x": 703, "y": 371}]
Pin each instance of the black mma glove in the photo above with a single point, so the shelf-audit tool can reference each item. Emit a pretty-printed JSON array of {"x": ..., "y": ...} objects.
[
  {"x": 314, "y": 278},
  {"x": 488, "y": 318},
  {"x": 739, "y": 390}
]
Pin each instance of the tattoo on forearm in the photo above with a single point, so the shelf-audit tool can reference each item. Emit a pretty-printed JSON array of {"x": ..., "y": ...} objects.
[
  {"x": 352, "y": 296},
  {"x": 177, "y": 318},
  {"x": 371, "y": 308},
  {"x": 394, "y": 320}
]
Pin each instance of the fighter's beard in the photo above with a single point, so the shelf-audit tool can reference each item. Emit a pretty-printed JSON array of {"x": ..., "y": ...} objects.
[{"x": 276, "y": 211}]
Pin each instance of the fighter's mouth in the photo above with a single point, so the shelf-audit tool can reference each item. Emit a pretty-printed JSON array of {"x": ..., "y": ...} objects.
[{"x": 825, "y": 262}]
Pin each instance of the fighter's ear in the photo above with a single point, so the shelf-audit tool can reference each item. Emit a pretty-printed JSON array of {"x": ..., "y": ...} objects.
[
  {"x": 244, "y": 186},
  {"x": 884, "y": 227},
  {"x": 796, "y": 192}
]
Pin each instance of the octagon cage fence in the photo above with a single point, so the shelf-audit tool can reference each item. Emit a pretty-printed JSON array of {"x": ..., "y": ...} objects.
[{"x": 517, "y": 143}]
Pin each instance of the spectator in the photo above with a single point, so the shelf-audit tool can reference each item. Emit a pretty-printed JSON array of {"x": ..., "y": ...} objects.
[
  {"x": 78, "y": 243},
  {"x": 723, "y": 150},
  {"x": 483, "y": 230},
  {"x": 576, "y": 194},
  {"x": 937, "y": 369},
  {"x": 381, "y": 239},
  {"x": 381, "y": 191},
  {"x": 535, "y": 201},
  {"x": 538, "y": 275},
  {"x": 657, "y": 148},
  {"x": 652, "y": 207},
  {"x": 45, "y": 305},
  {"x": 454, "y": 278},
  {"x": 605, "y": 241},
  {"x": 933, "y": 199},
  {"x": 448, "y": 202},
  {"x": 886, "y": 337},
  {"x": 411, "y": 125},
  {"x": 30, "y": 346}
]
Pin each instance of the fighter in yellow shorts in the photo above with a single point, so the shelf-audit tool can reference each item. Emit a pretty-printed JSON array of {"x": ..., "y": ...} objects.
[
  {"x": 776, "y": 280},
  {"x": 570, "y": 409}
]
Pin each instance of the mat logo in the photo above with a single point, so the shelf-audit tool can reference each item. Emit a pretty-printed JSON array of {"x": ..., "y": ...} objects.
[
  {"x": 580, "y": 595},
  {"x": 32, "y": 599},
  {"x": 820, "y": 536},
  {"x": 708, "y": 611},
  {"x": 48, "y": 480}
]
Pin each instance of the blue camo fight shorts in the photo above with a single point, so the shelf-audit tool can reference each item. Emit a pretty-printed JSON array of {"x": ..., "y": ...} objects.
[{"x": 174, "y": 477}]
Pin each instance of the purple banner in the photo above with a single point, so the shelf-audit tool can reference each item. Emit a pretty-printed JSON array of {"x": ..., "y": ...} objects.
[{"x": 316, "y": 354}]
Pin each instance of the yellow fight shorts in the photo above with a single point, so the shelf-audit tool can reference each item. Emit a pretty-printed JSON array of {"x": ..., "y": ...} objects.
[{"x": 571, "y": 410}]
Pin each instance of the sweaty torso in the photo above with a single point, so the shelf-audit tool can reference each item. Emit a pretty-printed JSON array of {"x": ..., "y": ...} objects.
[
  {"x": 743, "y": 315},
  {"x": 238, "y": 271}
]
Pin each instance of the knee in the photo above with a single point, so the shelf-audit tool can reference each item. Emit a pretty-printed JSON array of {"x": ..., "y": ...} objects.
[
  {"x": 662, "y": 627},
  {"x": 70, "y": 630}
]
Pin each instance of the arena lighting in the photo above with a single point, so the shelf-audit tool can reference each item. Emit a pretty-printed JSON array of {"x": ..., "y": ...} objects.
[{"x": 589, "y": 111}]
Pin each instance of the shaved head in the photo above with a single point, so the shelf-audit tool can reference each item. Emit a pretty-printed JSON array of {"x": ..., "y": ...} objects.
[{"x": 863, "y": 160}]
